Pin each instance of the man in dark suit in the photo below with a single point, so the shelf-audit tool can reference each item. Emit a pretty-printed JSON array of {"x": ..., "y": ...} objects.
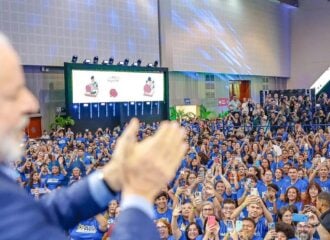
[{"x": 147, "y": 165}]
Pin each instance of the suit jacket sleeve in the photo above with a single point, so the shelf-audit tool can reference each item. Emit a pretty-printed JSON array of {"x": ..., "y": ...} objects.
[
  {"x": 24, "y": 218},
  {"x": 134, "y": 224}
]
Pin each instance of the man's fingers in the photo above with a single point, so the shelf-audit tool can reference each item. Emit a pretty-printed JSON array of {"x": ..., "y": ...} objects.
[
  {"x": 131, "y": 130},
  {"x": 127, "y": 138}
]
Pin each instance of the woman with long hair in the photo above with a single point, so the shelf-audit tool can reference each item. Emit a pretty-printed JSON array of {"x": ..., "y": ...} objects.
[
  {"x": 292, "y": 197},
  {"x": 35, "y": 187},
  {"x": 313, "y": 190}
]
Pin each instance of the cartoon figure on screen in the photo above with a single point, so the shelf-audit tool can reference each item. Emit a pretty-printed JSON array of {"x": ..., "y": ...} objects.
[
  {"x": 149, "y": 87},
  {"x": 92, "y": 89}
]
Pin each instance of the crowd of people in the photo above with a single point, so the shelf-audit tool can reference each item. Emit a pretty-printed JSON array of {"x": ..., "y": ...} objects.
[{"x": 262, "y": 172}]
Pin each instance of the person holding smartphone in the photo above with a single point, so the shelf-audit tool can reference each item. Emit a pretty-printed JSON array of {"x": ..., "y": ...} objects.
[{"x": 211, "y": 229}]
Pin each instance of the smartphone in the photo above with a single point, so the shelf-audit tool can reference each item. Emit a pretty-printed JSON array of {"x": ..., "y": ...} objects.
[
  {"x": 211, "y": 221},
  {"x": 201, "y": 174},
  {"x": 198, "y": 195},
  {"x": 297, "y": 217},
  {"x": 254, "y": 192},
  {"x": 239, "y": 225},
  {"x": 182, "y": 183},
  {"x": 271, "y": 226},
  {"x": 257, "y": 163},
  {"x": 248, "y": 182},
  {"x": 230, "y": 225}
]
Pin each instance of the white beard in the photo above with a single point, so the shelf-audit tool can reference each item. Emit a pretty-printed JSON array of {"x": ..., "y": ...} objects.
[{"x": 10, "y": 147}]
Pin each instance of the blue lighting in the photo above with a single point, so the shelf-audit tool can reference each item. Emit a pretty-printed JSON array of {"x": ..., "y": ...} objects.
[
  {"x": 75, "y": 106},
  {"x": 85, "y": 105},
  {"x": 95, "y": 105}
]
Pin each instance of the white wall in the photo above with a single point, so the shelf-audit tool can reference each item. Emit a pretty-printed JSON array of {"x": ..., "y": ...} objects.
[
  {"x": 310, "y": 48},
  {"x": 49, "y": 32},
  {"x": 238, "y": 36}
]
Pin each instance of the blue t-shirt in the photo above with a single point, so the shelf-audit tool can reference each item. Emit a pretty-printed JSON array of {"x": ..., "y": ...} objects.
[
  {"x": 182, "y": 223},
  {"x": 298, "y": 205},
  {"x": 299, "y": 184},
  {"x": 62, "y": 142},
  {"x": 166, "y": 215},
  {"x": 324, "y": 185},
  {"x": 54, "y": 181},
  {"x": 223, "y": 229},
  {"x": 270, "y": 207},
  {"x": 88, "y": 229},
  {"x": 38, "y": 187}
]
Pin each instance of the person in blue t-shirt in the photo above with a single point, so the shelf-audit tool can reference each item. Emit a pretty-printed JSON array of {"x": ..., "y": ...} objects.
[
  {"x": 161, "y": 209},
  {"x": 257, "y": 211},
  {"x": 62, "y": 140},
  {"x": 296, "y": 182},
  {"x": 35, "y": 187},
  {"x": 292, "y": 197},
  {"x": 279, "y": 180},
  {"x": 193, "y": 232},
  {"x": 228, "y": 208},
  {"x": 323, "y": 177},
  {"x": 90, "y": 229},
  {"x": 55, "y": 179},
  {"x": 249, "y": 229},
  {"x": 77, "y": 160},
  {"x": 271, "y": 200}
]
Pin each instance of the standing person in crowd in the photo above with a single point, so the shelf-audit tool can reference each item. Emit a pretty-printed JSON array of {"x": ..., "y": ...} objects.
[
  {"x": 292, "y": 197},
  {"x": 313, "y": 190},
  {"x": 299, "y": 184},
  {"x": 162, "y": 211},
  {"x": 257, "y": 211},
  {"x": 159, "y": 155}
]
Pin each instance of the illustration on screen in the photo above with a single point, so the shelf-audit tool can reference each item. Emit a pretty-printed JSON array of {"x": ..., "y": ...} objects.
[
  {"x": 149, "y": 87},
  {"x": 92, "y": 89}
]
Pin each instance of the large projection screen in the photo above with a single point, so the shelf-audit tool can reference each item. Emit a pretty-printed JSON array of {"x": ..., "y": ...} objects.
[{"x": 110, "y": 95}]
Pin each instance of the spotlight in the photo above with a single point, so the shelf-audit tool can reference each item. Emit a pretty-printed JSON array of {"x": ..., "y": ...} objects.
[
  {"x": 155, "y": 63},
  {"x": 74, "y": 59},
  {"x": 126, "y": 61},
  {"x": 111, "y": 60},
  {"x": 87, "y": 61},
  {"x": 137, "y": 63},
  {"x": 150, "y": 65},
  {"x": 95, "y": 60},
  {"x": 105, "y": 62},
  {"x": 121, "y": 63}
]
